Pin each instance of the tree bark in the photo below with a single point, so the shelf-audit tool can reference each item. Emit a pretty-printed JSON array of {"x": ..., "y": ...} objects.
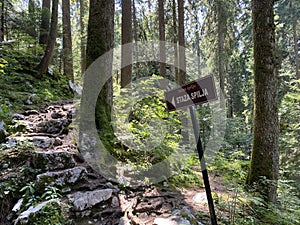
[
  {"x": 31, "y": 29},
  {"x": 45, "y": 62},
  {"x": 126, "y": 64},
  {"x": 101, "y": 40},
  {"x": 136, "y": 39},
  {"x": 67, "y": 40},
  {"x": 265, "y": 150},
  {"x": 45, "y": 22},
  {"x": 2, "y": 21},
  {"x": 296, "y": 50},
  {"x": 82, "y": 37},
  {"x": 181, "y": 42},
  {"x": 175, "y": 40},
  {"x": 220, "y": 54},
  {"x": 198, "y": 45},
  {"x": 162, "y": 38}
]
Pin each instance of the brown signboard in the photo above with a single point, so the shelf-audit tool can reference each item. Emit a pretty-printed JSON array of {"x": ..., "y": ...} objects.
[{"x": 194, "y": 93}]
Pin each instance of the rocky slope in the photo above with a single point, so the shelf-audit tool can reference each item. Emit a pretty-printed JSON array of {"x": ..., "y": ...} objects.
[{"x": 44, "y": 180}]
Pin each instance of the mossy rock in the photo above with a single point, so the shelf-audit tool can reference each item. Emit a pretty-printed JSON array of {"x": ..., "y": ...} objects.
[
  {"x": 16, "y": 156},
  {"x": 49, "y": 213}
]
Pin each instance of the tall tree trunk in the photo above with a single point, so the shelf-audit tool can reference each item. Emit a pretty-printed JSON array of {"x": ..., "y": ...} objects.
[
  {"x": 31, "y": 29},
  {"x": 296, "y": 50},
  {"x": 162, "y": 38},
  {"x": 265, "y": 151},
  {"x": 99, "y": 41},
  {"x": 198, "y": 46},
  {"x": 221, "y": 23},
  {"x": 197, "y": 35},
  {"x": 2, "y": 21},
  {"x": 182, "y": 64},
  {"x": 45, "y": 62},
  {"x": 126, "y": 64},
  {"x": 45, "y": 22},
  {"x": 67, "y": 40},
  {"x": 181, "y": 42},
  {"x": 175, "y": 39},
  {"x": 136, "y": 38},
  {"x": 82, "y": 37}
]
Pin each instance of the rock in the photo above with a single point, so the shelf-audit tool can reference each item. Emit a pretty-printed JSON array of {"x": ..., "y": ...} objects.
[
  {"x": 31, "y": 99},
  {"x": 53, "y": 160},
  {"x": 115, "y": 202},
  {"x": 124, "y": 221},
  {"x": 187, "y": 211},
  {"x": 174, "y": 220},
  {"x": 143, "y": 215},
  {"x": 149, "y": 204},
  {"x": 54, "y": 126},
  {"x": 42, "y": 141},
  {"x": 200, "y": 198},
  {"x": 3, "y": 132},
  {"x": 85, "y": 200},
  {"x": 57, "y": 115},
  {"x": 31, "y": 112},
  {"x": 57, "y": 141},
  {"x": 31, "y": 215},
  {"x": 15, "y": 141},
  {"x": 61, "y": 178},
  {"x": 17, "y": 206},
  {"x": 22, "y": 126},
  {"x": 17, "y": 116},
  {"x": 76, "y": 88}
]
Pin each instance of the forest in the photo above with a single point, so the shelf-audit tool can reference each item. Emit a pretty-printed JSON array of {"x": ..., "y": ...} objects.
[{"x": 98, "y": 124}]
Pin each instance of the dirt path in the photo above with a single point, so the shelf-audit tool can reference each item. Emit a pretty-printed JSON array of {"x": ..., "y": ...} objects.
[{"x": 50, "y": 130}]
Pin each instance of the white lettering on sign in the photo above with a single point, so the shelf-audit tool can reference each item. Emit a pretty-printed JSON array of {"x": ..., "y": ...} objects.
[
  {"x": 183, "y": 98},
  {"x": 194, "y": 95},
  {"x": 199, "y": 94}
]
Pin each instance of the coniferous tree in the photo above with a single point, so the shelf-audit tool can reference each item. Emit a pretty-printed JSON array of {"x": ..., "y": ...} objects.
[
  {"x": 100, "y": 40},
  {"x": 265, "y": 150},
  {"x": 2, "y": 20},
  {"x": 126, "y": 67},
  {"x": 162, "y": 38},
  {"x": 45, "y": 22},
  {"x": 45, "y": 62},
  {"x": 82, "y": 37},
  {"x": 67, "y": 40},
  {"x": 181, "y": 42}
]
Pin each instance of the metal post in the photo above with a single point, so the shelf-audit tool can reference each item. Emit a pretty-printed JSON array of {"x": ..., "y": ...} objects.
[{"x": 210, "y": 201}]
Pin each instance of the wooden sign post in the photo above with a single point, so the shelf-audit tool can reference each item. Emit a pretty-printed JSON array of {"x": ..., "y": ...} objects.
[{"x": 194, "y": 93}]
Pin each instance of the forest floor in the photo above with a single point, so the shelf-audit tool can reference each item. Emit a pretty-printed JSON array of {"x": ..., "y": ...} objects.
[{"x": 50, "y": 129}]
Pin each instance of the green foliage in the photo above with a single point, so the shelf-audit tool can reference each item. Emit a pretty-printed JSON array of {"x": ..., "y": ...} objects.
[
  {"x": 290, "y": 132},
  {"x": 144, "y": 123},
  {"x": 231, "y": 166},
  {"x": 19, "y": 89},
  {"x": 31, "y": 196},
  {"x": 238, "y": 136},
  {"x": 186, "y": 178},
  {"x": 51, "y": 214}
]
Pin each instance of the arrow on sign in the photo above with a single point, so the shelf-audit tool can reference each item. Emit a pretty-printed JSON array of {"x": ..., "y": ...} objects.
[
  {"x": 194, "y": 93},
  {"x": 173, "y": 102}
]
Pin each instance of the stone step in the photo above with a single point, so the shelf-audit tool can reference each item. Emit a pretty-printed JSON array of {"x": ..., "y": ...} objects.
[
  {"x": 63, "y": 178},
  {"x": 33, "y": 214},
  {"x": 86, "y": 200},
  {"x": 53, "y": 160},
  {"x": 53, "y": 126}
]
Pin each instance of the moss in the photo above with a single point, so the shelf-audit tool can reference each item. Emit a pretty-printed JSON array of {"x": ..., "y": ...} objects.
[
  {"x": 16, "y": 156},
  {"x": 51, "y": 214}
]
